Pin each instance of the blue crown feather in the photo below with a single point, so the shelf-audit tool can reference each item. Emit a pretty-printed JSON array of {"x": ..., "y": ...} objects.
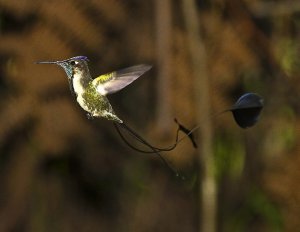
[
  {"x": 78, "y": 58},
  {"x": 81, "y": 58}
]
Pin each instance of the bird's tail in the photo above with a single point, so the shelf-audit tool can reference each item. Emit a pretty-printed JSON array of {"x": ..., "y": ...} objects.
[{"x": 153, "y": 150}]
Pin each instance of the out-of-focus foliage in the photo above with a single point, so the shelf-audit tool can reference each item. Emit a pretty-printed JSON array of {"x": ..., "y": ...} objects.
[{"x": 62, "y": 172}]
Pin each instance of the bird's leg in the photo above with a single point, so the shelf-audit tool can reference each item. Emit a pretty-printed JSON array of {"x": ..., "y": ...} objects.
[{"x": 89, "y": 116}]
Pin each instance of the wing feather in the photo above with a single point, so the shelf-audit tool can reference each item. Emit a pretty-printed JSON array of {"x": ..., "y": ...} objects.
[{"x": 115, "y": 81}]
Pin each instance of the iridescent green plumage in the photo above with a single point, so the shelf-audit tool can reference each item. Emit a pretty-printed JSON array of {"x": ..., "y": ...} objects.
[
  {"x": 98, "y": 105},
  {"x": 105, "y": 77},
  {"x": 91, "y": 93}
]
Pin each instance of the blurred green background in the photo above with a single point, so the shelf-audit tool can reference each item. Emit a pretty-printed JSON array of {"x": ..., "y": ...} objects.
[{"x": 62, "y": 172}]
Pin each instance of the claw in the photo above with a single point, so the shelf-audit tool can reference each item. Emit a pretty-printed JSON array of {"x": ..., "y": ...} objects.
[{"x": 89, "y": 116}]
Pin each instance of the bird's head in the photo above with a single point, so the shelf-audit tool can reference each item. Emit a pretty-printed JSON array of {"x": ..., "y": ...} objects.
[{"x": 74, "y": 65}]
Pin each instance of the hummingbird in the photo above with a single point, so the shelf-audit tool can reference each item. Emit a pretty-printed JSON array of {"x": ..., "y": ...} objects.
[{"x": 91, "y": 95}]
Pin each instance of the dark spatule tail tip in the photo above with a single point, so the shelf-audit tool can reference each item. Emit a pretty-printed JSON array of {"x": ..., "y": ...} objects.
[{"x": 247, "y": 109}]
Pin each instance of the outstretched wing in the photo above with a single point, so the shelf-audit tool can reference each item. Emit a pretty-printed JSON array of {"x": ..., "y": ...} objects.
[{"x": 115, "y": 81}]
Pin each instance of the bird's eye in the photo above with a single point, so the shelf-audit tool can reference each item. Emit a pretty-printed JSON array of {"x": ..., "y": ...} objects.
[{"x": 72, "y": 62}]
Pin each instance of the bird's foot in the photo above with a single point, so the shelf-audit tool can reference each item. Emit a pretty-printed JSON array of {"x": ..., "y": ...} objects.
[{"x": 89, "y": 116}]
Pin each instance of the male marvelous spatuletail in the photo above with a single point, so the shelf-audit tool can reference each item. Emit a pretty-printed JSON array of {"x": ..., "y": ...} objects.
[{"x": 91, "y": 93}]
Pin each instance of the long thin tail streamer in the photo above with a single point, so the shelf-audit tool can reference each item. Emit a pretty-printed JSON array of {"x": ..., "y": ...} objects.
[{"x": 153, "y": 150}]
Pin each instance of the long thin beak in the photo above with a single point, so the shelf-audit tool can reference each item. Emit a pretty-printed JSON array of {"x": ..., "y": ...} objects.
[{"x": 47, "y": 62}]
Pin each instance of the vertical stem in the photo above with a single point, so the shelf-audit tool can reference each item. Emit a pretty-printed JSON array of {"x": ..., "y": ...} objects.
[
  {"x": 163, "y": 49},
  {"x": 207, "y": 185}
]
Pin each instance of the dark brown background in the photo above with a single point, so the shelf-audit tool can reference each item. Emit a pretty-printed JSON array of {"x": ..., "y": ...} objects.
[{"x": 62, "y": 172}]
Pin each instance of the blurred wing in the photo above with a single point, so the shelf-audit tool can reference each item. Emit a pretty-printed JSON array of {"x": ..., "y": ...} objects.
[{"x": 115, "y": 81}]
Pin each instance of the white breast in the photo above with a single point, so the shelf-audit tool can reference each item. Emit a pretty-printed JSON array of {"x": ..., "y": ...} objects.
[
  {"x": 79, "y": 90},
  {"x": 77, "y": 85},
  {"x": 82, "y": 103}
]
